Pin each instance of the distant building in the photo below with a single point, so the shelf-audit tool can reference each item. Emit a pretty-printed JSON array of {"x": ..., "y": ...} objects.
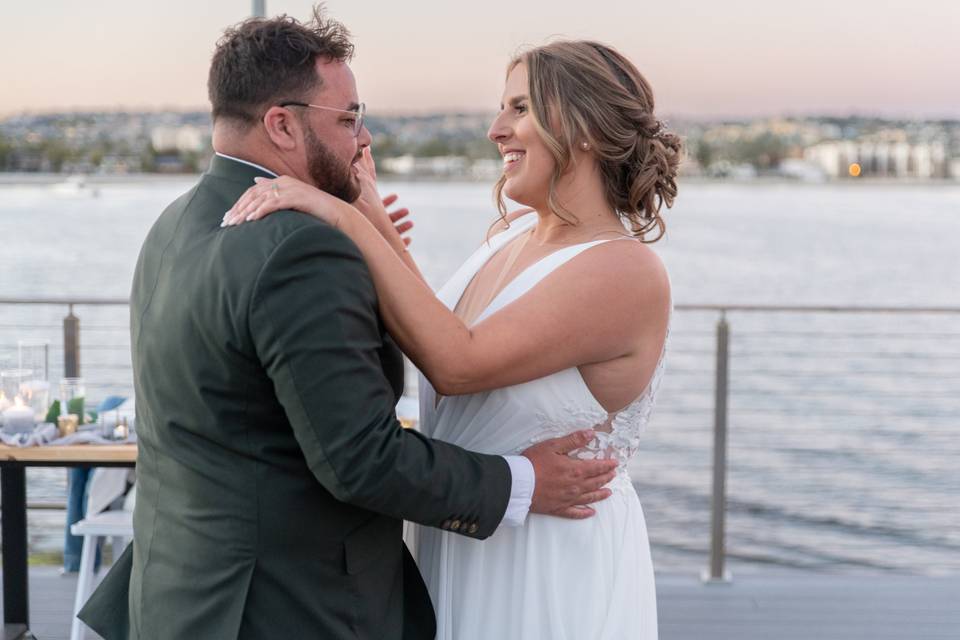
[
  {"x": 170, "y": 163},
  {"x": 486, "y": 169},
  {"x": 732, "y": 170},
  {"x": 432, "y": 166},
  {"x": 185, "y": 138},
  {"x": 121, "y": 164},
  {"x": 880, "y": 158}
]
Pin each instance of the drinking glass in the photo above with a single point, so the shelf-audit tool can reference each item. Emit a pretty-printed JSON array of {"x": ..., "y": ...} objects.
[{"x": 72, "y": 393}]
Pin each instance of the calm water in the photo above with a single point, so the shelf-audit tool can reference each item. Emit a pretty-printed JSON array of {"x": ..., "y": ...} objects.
[{"x": 843, "y": 427}]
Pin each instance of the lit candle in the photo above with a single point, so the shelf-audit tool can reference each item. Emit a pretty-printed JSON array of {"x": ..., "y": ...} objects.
[
  {"x": 18, "y": 418},
  {"x": 121, "y": 431},
  {"x": 36, "y": 393}
]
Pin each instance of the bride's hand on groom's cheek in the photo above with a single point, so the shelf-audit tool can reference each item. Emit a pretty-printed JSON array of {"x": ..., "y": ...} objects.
[
  {"x": 283, "y": 194},
  {"x": 564, "y": 485},
  {"x": 373, "y": 207}
]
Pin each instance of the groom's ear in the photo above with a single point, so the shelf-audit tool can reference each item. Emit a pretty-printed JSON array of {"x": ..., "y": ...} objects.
[{"x": 283, "y": 128}]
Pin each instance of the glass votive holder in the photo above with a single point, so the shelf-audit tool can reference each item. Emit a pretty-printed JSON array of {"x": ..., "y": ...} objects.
[
  {"x": 36, "y": 394},
  {"x": 68, "y": 424},
  {"x": 34, "y": 356},
  {"x": 72, "y": 392},
  {"x": 122, "y": 430},
  {"x": 108, "y": 426},
  {"x": 11, "y": 380}
]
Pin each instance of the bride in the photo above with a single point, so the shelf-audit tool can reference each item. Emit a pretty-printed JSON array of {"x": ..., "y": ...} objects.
[{"x": 557, "y": 322}]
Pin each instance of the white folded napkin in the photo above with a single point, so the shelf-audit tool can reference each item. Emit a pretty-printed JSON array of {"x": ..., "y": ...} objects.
[{"x": 46, "y": 433}]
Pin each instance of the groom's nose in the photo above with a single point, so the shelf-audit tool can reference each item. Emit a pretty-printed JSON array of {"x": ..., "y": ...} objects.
[{"x": 364, "y": 139}]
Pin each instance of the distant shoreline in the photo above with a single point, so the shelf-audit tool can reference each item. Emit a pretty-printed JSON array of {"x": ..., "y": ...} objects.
[{"x": 8, "y": 179}]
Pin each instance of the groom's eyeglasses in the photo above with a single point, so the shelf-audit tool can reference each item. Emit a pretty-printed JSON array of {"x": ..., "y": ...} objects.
[{"x": 359, "y": 112}]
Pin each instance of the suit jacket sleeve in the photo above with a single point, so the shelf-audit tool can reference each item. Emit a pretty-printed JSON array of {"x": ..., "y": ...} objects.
[{"x": 314, "y": 323}]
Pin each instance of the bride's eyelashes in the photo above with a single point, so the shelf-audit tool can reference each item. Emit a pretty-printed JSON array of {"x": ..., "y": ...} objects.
[{"x": 519, "y": 108}]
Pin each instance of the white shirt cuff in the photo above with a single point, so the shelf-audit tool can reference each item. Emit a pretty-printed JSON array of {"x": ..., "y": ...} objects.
[{"x": 523, "y": 481}]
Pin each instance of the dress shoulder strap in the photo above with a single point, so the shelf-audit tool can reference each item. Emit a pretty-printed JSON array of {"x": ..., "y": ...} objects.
[{"x": 537, "y": 272}]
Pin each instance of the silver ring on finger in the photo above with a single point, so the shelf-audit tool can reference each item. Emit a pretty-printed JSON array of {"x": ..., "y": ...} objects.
[{"x": 276, "y": 189}]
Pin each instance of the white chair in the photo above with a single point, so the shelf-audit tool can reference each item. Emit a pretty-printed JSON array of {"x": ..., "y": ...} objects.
[{"x": 113, "y": 524}]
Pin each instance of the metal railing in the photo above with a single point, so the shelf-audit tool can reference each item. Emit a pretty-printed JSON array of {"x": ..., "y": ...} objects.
[
  {"x": 71, "y": 343},
  {"x": 694, "y": 347},
  {"x": 716, "y": 572}
]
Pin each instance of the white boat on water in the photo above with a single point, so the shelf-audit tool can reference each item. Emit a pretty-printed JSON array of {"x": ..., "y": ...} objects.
[{"x": 75, "y": 185}]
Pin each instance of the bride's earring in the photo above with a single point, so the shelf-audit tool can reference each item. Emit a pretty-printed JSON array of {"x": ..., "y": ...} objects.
[{"x": 585, "y": 146}]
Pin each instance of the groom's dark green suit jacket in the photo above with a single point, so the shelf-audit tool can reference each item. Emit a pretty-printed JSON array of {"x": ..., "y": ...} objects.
[{"x": 272, "y": 474}]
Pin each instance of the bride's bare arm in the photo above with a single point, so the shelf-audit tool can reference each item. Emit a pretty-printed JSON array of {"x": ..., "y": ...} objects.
[
  {"x": 387, "y": 225},
  {"x": 375, "y": 210},
  {"x": 611, "y": 302},
  {"x": 615, "y": 302}
]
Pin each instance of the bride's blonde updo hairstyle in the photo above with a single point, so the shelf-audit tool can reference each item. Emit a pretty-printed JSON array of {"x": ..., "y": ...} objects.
[{"x": 586, "y": 92}]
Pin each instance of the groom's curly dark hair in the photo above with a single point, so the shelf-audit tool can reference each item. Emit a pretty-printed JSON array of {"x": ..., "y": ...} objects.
[{"x": 262, "y": 62}]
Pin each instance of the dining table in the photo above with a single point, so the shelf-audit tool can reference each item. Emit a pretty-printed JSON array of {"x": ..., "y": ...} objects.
[{"x": 14, "y": 462}]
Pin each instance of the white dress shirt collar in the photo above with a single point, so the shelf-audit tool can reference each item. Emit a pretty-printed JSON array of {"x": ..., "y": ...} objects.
[{"x": 247, "y": 162}]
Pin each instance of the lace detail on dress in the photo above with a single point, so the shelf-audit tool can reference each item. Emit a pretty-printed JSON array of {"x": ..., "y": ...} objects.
[
  {"x": 617, "y": 434},
  {"x": 572, "y": 418}
]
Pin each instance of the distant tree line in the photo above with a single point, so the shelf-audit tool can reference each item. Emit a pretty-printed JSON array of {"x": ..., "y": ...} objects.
[
  {"x": 764, "y": 152},
  {"x": 55, "y": 155},
  {"x": 388, "y": 146}
]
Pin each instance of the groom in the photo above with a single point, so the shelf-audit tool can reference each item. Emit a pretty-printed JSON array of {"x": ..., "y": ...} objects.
[{"x": 273, "y": 475}]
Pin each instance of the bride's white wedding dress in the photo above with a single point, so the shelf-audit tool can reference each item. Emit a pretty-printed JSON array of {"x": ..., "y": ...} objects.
[{"x": 553, "y": 578}]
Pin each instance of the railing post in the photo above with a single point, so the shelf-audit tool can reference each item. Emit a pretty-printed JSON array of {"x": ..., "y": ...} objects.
[
  {"x": 717, "y": 573},
  {"x": 71, "y": 345}
]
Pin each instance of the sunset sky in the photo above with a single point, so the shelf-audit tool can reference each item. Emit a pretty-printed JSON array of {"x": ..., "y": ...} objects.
[{"x": 731, "y": 58}]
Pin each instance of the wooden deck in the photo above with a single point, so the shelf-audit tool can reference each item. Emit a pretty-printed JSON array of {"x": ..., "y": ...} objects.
[
  {"x": 758, "y": 606},
  {"x": 809, "y": 606}
]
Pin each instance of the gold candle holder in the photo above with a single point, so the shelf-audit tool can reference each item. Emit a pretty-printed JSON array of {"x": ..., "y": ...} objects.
[
  {"x": 68, "y": 424},
  {"x": 122, "y": 430}
]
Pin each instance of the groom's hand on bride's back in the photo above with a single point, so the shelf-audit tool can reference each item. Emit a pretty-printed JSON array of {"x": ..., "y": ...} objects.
[{"x": 564, "y": 485}]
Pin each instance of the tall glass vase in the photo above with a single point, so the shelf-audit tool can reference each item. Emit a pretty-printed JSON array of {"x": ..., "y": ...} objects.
[{"x": 34, "y": 356}]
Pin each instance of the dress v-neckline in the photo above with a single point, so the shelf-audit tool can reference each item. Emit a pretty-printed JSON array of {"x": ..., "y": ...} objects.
[{"x": 483, "y": 314}]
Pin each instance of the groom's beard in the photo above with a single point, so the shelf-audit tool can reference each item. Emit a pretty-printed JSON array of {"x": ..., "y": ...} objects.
[{"x": 328, "y": 172}]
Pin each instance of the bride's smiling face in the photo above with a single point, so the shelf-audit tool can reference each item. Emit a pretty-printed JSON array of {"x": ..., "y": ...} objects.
[{"x": 527, "y": 162}]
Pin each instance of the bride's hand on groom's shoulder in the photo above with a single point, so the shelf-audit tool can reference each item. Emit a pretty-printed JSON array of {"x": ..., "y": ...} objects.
[
  {"x": 284, "y": 194},
  {"x": 564, "y": 486}
]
